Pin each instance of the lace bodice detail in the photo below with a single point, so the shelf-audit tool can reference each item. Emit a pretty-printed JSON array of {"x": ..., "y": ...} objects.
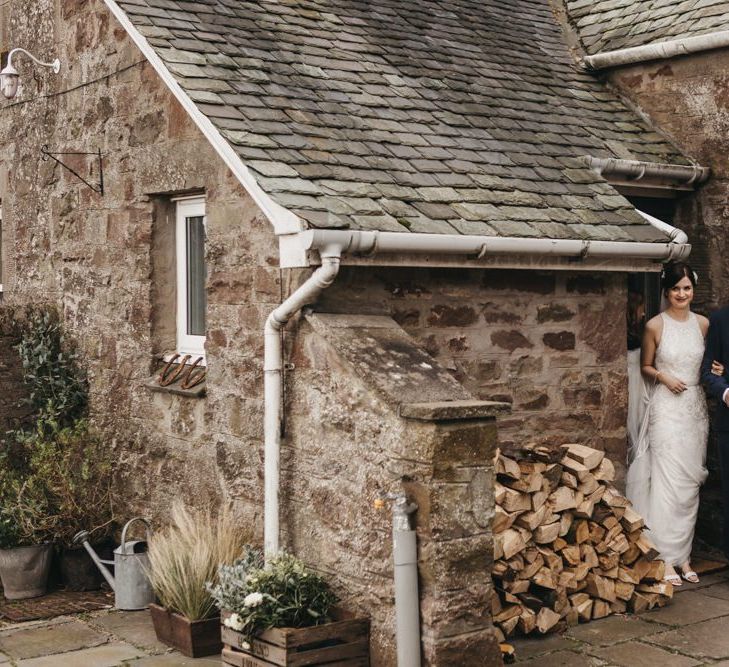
[{"x": 681, "y": 349}]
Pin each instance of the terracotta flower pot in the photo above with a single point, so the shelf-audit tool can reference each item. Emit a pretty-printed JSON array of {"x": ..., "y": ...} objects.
[
  {"x": 194, "y": 639},
  {"x": 24, "y": 571}
]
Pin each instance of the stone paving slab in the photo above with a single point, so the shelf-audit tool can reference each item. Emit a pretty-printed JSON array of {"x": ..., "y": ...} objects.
[
  {"x": 637, "y": 654},
  {"x": 562, "y": 659},
  {"x": 42, "y": 640},
  {"x": 531, "y": 646},
  {"x": 613, "y": 629},
  {"x": 708, "y": 639},
  {"x": 174, "y": 660},
  {"x": 690, "y": 607},
  {"x": 134, "y": 627},
  {"x": 108, "y": 655}
]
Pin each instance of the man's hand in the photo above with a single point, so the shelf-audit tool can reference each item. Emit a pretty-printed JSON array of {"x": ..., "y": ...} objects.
[
  {"x": 717, "y": 368},
  {"x": 674, "y": 384}
]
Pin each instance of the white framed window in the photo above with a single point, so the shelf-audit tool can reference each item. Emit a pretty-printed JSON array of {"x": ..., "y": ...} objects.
[{"x": 191, "y": 275}]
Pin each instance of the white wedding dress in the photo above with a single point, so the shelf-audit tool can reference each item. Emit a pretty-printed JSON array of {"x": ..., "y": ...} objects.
[{"x": 668, "y": 456}]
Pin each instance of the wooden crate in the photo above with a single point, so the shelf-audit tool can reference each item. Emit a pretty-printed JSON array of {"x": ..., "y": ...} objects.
[{"x": 344, "y": 642}]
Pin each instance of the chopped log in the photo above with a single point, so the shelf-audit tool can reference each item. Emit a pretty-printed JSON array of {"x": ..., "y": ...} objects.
[
  {"x": 572, "y": 617},
  {"x": 589, "y": 555},
  {"x": 600, "y": 609},
  {"x": 527, "y": 484},
  {"x": 507, "y": 466},
  {"x": 588, "y": 485},
  {"x": 552, "y": 560},
  {"x": 620, "y": 544},
  {"x": 561, "y": 499},
  {"x": 510, "y": 598},
  {"x": 646, "y": 548},
  {"x": 579, "y": 532},
  {"x": 639, "y": 602},
  {"x": 499, "y": 493},
  {"x": 627, "y": 575},
  {"x": 545, "y": 578},
  {"x": 499, "y": 569},
  {"x": 597, "y": 532},
  {"x": 571, "y": 554},
  {"x": 587, "y": 456},
  {"x": 508, "y": 612},
  {"x": 656, "y": 572},
  {"x": 530, "y": 467},
  {"x": 605, "y": 471},
  {"x": 515, "y": 563},
  {"x": 601, "y": 513},
  {"x": 559, "y": 543},
  {"x": 532, "y": 568},
  {"x": 661, "y": 588},
  {"x": 495, "y": 604},
  {"x": 553, "y": 475},
  {"x": 580, "y": 571},
  {"x": 565, "y": 523},
  {"x": 538, "y": 499},
  {"x": 608, "y": 522},
  {"x": 531, "y": 601},
  {"x": 566, "y": 579},
  {"x": 516, "y": 501},
  {"x": 530, "y": 554},
  {"x": 630, "y": 555},
  {"x": 611, "y": 573},
  {"x": 632, "y": 520},
  {"x": 509, "y": 626},
  {"x": 517, "y": 586},
  {"x": 624, "y": 590},
  {"x": 584, "y": 609},
  {"x": 546, "y": 620},
  {"x": 502, "y": 519},
  {"x": 570, "y": 480},
  {"x": 575, "y": 467},
  {"x": 498, "y": 546},
  {"x": 512, "y": 542},
  {"x": 609, "y": 560},
  {"x": 601, "y": 587},
  {"x": 618, "y": 607},
  {"x": 614, "y": 499},
  {"x": 527, "y": 620},
  {"x": 641, "y": 567},
  {"x": 547, "y": 533},
  {"x": 530, "y": 520}
]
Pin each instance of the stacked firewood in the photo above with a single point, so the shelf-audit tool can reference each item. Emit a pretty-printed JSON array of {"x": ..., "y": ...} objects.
[{"x": 567, "y": 546}]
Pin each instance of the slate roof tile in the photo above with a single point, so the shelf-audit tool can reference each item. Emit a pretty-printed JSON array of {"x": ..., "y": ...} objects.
[
  {"x": 466, "y": 116},
  {"x": 608, "y": 25}
]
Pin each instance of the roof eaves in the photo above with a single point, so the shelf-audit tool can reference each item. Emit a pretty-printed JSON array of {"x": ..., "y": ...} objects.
[{"x": 282, "y": 219}]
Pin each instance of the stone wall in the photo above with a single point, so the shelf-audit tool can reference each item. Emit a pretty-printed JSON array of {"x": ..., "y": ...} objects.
[
  {"x": 13, "y": 394},
  {"x": 98, "y": 258},
  {"x": 553, "y": 344},
  {"x": 686, "y": 98}
]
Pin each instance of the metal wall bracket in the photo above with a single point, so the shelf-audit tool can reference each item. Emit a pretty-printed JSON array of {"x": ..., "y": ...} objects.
[{"x": 96, "y": 187}]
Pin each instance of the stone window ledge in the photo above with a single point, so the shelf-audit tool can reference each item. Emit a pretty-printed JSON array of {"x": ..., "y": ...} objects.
[
  {"x": 453, "y": 410},
  {"x": 153, "y": 385}
]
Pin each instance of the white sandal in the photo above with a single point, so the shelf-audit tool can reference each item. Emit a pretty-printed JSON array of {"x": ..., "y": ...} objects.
[
  {"x": 690, "y": 576},
  {"x": 673, "y": 579}
]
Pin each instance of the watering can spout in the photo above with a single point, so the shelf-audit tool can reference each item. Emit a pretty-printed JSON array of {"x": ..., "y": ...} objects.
[{"x": 82, "y": 537}]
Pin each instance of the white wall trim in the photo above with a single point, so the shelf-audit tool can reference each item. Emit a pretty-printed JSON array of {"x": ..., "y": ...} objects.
[{"x": 283, "y": 220}]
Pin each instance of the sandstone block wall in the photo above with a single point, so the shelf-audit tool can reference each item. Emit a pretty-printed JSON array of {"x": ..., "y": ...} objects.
[
  {"x": 686, "y": 98},
  {"x": 13, "y": 409},
  {"x": 553, "y": 344},
  {"x": 101, "y": 259}
]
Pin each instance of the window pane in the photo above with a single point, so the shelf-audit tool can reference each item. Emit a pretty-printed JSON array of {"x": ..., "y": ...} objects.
[{"x": 196, "y": 274}]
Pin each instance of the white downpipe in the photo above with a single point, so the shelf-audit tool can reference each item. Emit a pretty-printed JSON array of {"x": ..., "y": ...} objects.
[
  {"x": 676, "y": 235},
  {"x": 308, "y": 292},
  {"x": 657, "y": 51},
  {"x": 479, "y": 246}
]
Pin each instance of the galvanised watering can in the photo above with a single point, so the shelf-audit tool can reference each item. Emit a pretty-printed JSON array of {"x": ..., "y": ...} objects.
[{"x": 132, "y": 589}]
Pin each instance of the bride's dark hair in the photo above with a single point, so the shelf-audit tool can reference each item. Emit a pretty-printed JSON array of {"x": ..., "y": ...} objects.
[{"x": 673, "y": 272}]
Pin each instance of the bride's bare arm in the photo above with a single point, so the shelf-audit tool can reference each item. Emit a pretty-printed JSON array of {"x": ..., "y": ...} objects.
[{"x": 651, "y": 339}]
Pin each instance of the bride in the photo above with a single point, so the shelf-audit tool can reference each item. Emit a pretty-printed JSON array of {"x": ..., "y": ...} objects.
[{"x": 668, "y": 457}]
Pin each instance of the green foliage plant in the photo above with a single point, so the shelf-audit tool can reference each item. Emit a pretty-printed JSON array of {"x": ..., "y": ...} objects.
[
  {"x": 185, "y": 555},
  {"x": 282, "y": 594}
]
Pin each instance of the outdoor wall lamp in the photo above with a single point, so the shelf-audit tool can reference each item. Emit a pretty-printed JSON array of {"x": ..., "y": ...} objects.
[{"x": 9, "y": 77}]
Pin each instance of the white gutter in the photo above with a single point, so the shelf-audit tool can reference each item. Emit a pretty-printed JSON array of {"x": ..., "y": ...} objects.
[
  {"x": 370, "y": 243},
  {"x": 674, "y": 233},
  {"x": 308, "y": 292},
  {"x": 657, "y": 51},
  {"x": 683, "y": 176},
  {"x": 283, "y": 220}
]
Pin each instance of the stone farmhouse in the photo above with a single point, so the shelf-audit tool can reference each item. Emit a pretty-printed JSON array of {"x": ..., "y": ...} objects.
[{"x": 445, "y": 200}]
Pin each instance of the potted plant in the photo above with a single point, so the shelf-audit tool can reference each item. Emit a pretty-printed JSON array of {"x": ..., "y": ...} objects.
[
  {"x": 281, "y": 611},
  {"x": 183, "y": 557},
  {"x": 25, "y": 556}
]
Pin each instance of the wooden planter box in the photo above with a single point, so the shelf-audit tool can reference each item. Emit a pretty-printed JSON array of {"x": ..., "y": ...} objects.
[
  {"x": 194, "y": 639},
  {"x": 344, "y": 642}
]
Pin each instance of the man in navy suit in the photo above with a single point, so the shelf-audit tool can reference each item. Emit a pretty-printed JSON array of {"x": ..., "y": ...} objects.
[{"x": 717, "y": 349}]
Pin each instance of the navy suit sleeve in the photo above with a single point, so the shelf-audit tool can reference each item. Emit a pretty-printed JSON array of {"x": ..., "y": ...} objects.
[{"x": 715, "y": 384}]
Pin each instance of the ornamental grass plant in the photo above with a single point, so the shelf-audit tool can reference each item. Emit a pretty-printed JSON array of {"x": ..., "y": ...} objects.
[
  {"x": 282, "y": 594},
  {"x": 185, "y": 556}
]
